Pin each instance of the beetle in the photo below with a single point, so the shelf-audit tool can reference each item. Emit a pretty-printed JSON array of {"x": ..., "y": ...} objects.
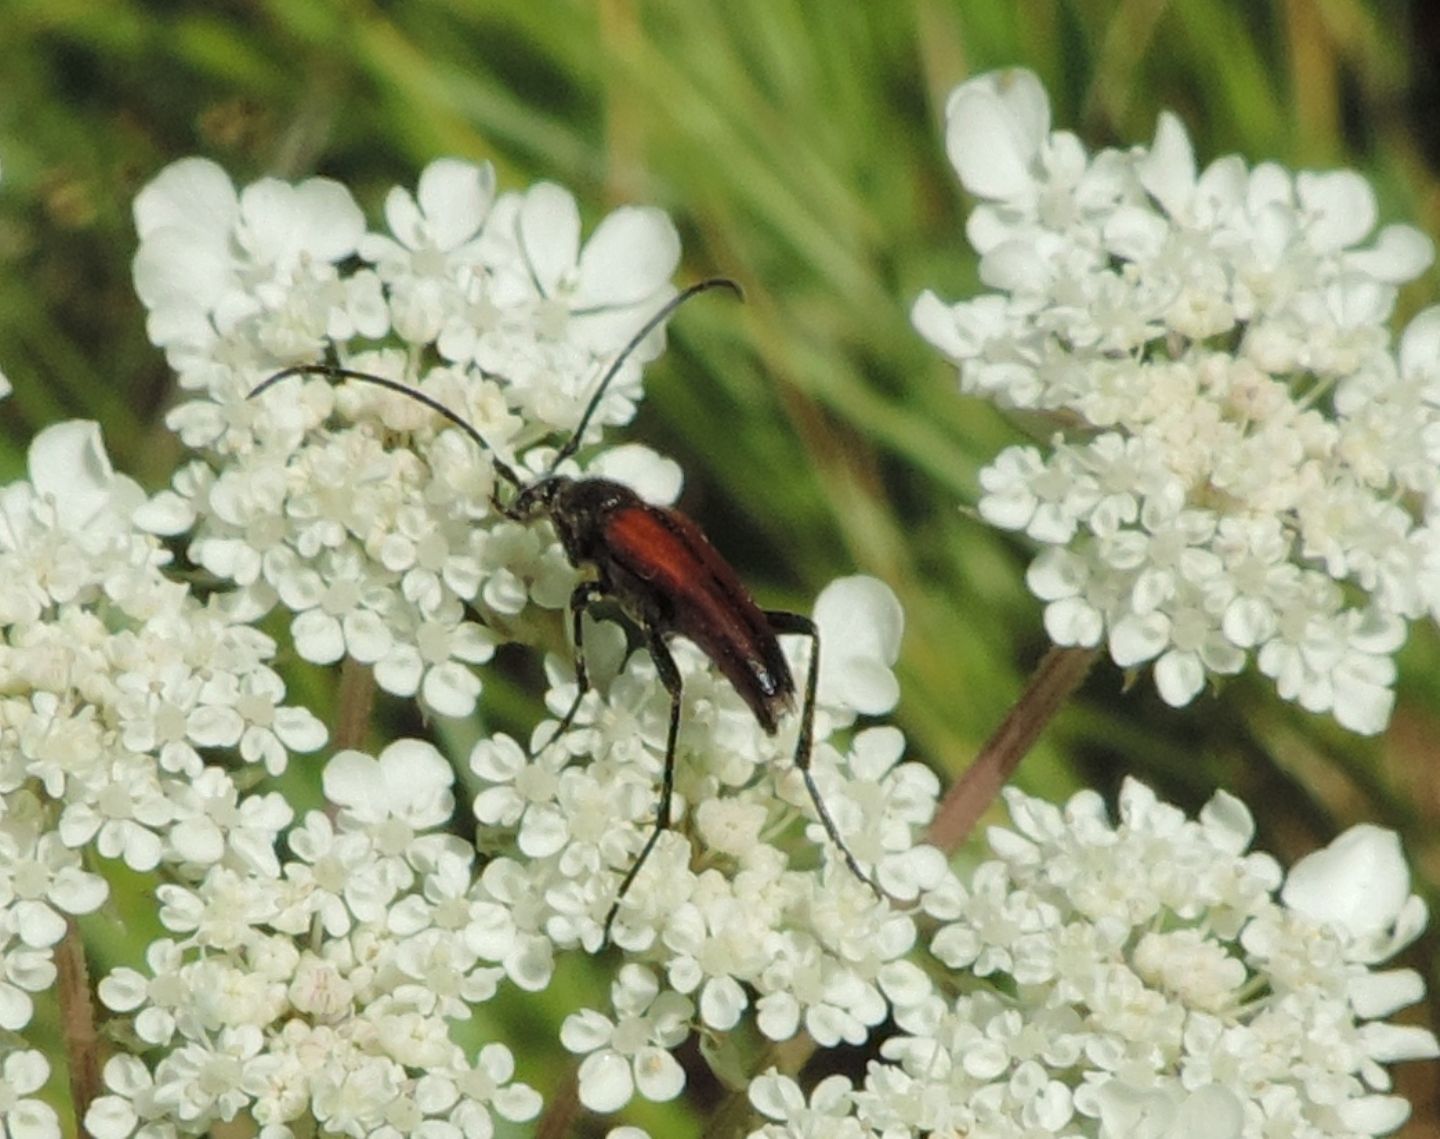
[{"x": 666, "y": 577}]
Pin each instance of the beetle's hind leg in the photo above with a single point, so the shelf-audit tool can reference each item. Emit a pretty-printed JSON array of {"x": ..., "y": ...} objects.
[
  {"x": 670, "y": 678},
  {"x": 784, "y": 622}
]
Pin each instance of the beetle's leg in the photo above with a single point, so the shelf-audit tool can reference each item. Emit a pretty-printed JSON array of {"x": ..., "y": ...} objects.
[
  {"x": 783, "y": 622},
  {"x": 584, "y": 595},
  {"x": 670, "y": 678}
]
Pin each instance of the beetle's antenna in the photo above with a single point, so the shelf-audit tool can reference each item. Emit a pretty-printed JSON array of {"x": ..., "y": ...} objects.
[
  {"x": 573, "y": 444},
  {"x": 504, "y": 469}
]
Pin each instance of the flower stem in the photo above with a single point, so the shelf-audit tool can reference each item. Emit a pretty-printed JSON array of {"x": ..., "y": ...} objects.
[
  {"x": 77, "y": 1020},
  {"x": 354, "y": 705},
  {"x": 733, "y": 1115},
  {"x": 561, "y": 1107},
  {"x": 1059, "y": 674}
]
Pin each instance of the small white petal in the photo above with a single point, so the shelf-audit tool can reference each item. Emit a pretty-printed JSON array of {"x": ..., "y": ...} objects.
[
  {"x": 184, "y": 192},
  {"x": 861, "y": 623},
  {"x": 31, "y": 1119},
  {"x": 934, "y": 320},
  {"x": 658, "y": 1075},
  {"x": 451, "y": 689},
  {"x": 197, "y": 840},
  {"x": 1136, "y": 639},
  {"x": 1359, "y": 882},
  {"x": 1374, "y": 1115},
  {"x": 455, "y": 196},
  {"x": 318, "y": 637},
  {"x": 1394, "y": 1043},
  {"x": 78, "y": 892},
  {"x": 110, "y": 1117},
  {"x": 549, "y": 226},
  {"x": 1167, "y": 171},
  {"x": 124, "y": 990},
  {"x": 517, "y": 1102},
  {"x": 1375, "y": 995},
  {"x": 367, "y": 637},
  {"x": 16, "y": 1008},
  {"x": 606, "y": 1082},
  {"x": 653, "y": 477},
  {"x": 995, "y": 126},
  {"x": 585, "y": 1031},
  {"x": 722, "y": 1002},
  {"x": 629, "y": 258},
  {"x": 1179, "y": 678},
  {"x": 68, "y": 464}
]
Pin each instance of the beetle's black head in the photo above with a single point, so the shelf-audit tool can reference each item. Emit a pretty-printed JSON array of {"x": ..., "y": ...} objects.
[{"x": 539, "y": 498}]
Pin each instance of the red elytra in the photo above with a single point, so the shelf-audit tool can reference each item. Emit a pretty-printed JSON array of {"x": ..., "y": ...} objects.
[{"x": 708, "y": 604}]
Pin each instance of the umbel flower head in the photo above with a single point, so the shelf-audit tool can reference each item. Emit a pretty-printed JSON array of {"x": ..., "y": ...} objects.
[
  {"x": 1243, "y": 464},
  {"x": 377, "y": 532},
  {"x": 319, "y": 991},
  {"x": 372, "y": 520},
  {"x": 1148, "y": 976},
  {"x": 113, "y": 679}
]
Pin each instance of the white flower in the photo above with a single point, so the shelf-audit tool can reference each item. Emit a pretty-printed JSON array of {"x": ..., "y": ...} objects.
[
  {"x": 115, "y": 679},
  {"x": 252, "y": 1011},
  {"x": 438, "y": 222},
  {"x": 71, "y": 474},
  {"x": 469, "y": 1094},
  {"x": 130, "y": 1099},
  {"x": 632, "y": 1051},
  {"x": 1169, "y": 1110},
  {"x": 1359, "y": 882},
  {"x": 827, "y": 1115},
  {"x": 212, "y": 820},
  {"x": 409, "y": 783},
  {"x": 1152, "y": 976},
  {"x": 24, "y": 1116},
  {"x": 125, "y": 818},
  {"x": 1235, "y": 433},
  {"x": 860, "y": 623},
  {"x": 377, "y": 550},
  {"x": 41, "y": 879},
  {"x": 23, "y": 971},
  {"x": 210, "y": 258}
]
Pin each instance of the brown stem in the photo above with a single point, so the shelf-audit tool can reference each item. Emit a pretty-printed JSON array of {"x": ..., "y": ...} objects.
[
  {"x": 77, "y": 1020},
  {"x": 1060, "y": 673},
  {"x": 562, "y": 1107},
  {"x": 354, "y": 705}
]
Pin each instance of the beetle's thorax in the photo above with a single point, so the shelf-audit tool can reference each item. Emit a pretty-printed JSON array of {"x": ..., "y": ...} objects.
[{"x": 577, "y": 508}]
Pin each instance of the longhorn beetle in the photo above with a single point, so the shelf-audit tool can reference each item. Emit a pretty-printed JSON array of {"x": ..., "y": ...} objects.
[{"x": 664, "y": 574}]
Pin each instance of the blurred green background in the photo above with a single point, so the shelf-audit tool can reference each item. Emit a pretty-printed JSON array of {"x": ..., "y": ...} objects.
[{"x": 798, "y": 147}]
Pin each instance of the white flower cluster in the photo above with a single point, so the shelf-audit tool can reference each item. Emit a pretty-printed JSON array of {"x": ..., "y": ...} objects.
[
  {"x": 1145, "y": 979},
  {"x": 1145, "y": 970},
  {"x": 727, "y": 927},
  {"x": 323, "y": 986},
  {"x": 378, "y": 532},
  {"x": 1244, "y": 463},
  {"x": 321, "y": 990},
  {"x": 113, "y": 680}
]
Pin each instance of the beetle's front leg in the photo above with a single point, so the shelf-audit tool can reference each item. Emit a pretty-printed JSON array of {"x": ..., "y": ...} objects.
[
  {"x": 584, "y": 595},
  {"x": 783, "y": 622},
  {"x": 670, "y": 678}
]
